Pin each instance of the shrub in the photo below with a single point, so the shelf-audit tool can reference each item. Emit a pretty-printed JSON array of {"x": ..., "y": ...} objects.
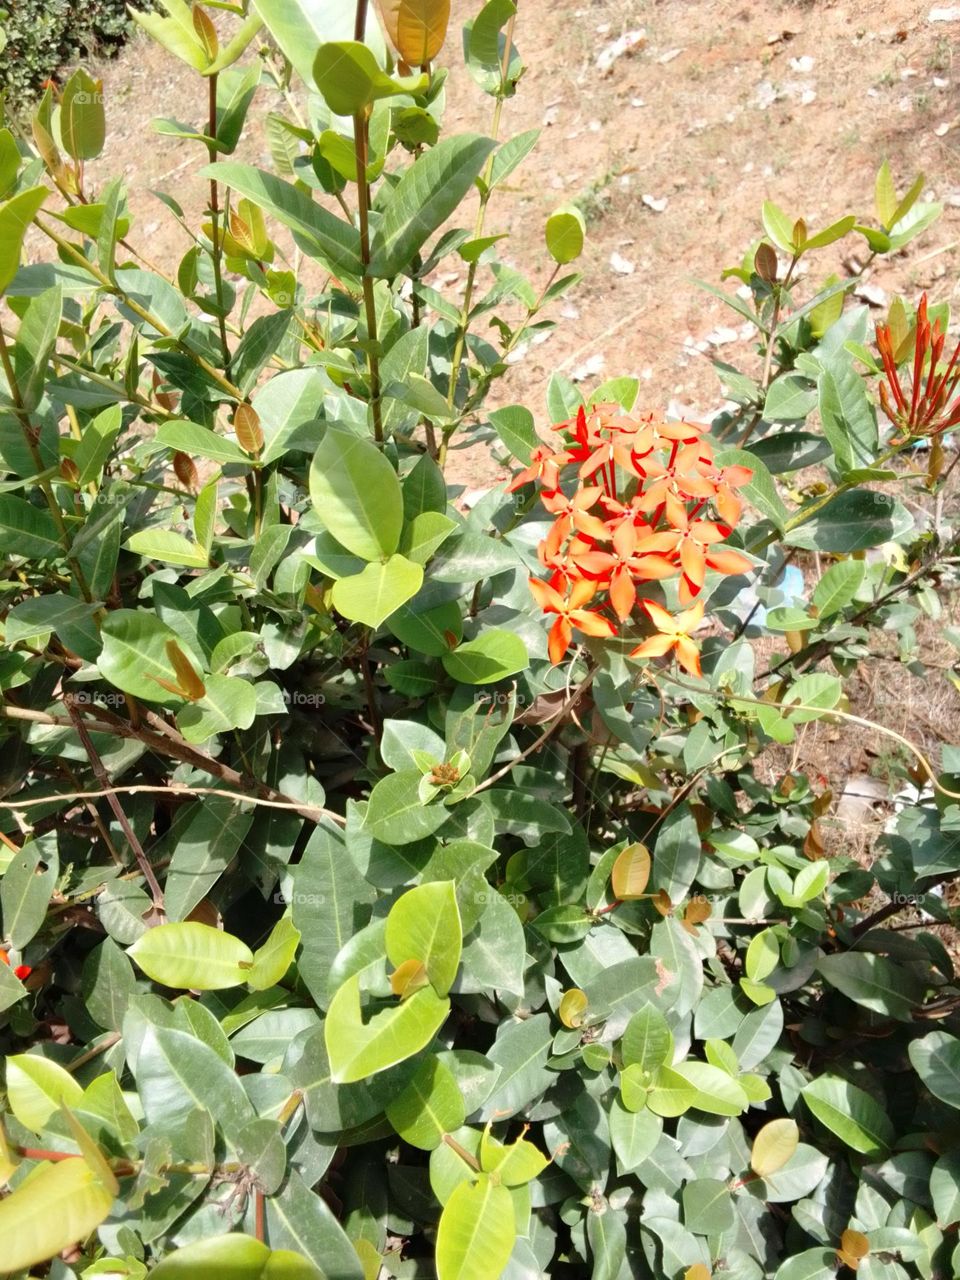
[
  {"x": 396, "y": 889},
  {"x": 43, "y": 35}
]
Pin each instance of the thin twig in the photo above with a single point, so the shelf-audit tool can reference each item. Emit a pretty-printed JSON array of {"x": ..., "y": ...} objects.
[{"x": 100, "y": 773}]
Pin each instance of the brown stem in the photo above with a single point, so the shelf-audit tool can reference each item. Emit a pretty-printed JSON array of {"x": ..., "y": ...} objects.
[
  {"x": 771, "y": 344},
  {"x": 103, "y": 778},
  {"x": 31, "y": 436},
  {"x": 890, "y": 909},
  {"x": 107, "y": 1043},
  {"x": 172, "y": 745},
  {"x": 215, "y": 224},
  {"x": 462, "y": 1152},
  {"x": 369, "y": 301},
  {"x": 371, "y": 691}
]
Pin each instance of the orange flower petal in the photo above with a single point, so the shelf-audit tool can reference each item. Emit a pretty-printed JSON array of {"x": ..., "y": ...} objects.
[
  {"x": 561, "y": 633},
  {"x": 655, "y": 647},
  {"x": 688, "y": 655},
  {"x": 660, "y": 618}
]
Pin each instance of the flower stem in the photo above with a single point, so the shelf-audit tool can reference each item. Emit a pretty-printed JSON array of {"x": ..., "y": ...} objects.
[
  {"x": 215, "y": 223},
  {"x": 369, "y": 302},
  {"x": 31, "y": 436}
]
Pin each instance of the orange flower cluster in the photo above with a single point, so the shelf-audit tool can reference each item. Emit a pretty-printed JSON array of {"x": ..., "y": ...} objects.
[
  {"x": 923, "y": 408},
  {"x": 642, "y": 510}
]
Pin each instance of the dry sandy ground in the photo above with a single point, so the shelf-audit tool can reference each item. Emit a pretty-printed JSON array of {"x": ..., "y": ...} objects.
[{"x": 721, "y": 106}]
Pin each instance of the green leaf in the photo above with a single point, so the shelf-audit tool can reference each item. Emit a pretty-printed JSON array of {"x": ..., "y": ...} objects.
[
  {"x": 714, "y": 1091},
  {"x": 59, "y": 1205},
  {"x": 299, "y": 1220},
  {"x": 476, "y": 1233},
  {"x": 358, "y": 1049},
  {"x": 515, "y": 427},
  {"x": 838, "y": 587},
  {"x": 169, "y": 546},
  {"x": 178, "y": 1075},
  {"x": 274, "y": 958},
  {"x": 238, "y": 1256},
  {"x": 936, "y": 1060},
  {"x": 82, "y": 122},
  {"x": 375, "y": 594},
  {"x": 707, "y": 1207},
  {"x": 850, "y": 1113},
  {"x": 176, "y": 33},
  {"x": 11, "y": 988},
  {"x": 192, "y": 956},
  {"x": 395, "y": 813},
  {"x": 778, "y": 226},
  {"x": 852, "y": 521},
  {"x": 424, "y": 534},
  {"x": 331, "y": 902},
  {"x": 228, "y": 703},
  {"x": 26, "y": 530},
  {"x": 16, "y": 214},
  {"x": 647, "y": 1041},
  {"x": 812, "y": 1264},
  {"x": 879, "y": 984},
  {"x": 426, "y": 195},
  {"x": 486, "y": 47},
  {"x": 847, "y": 415},
  {"x": 348, "y": 76},
  {"x": 36, "y": 339},
  {"x": 836, "y": 231},
  {"x": 676, "y": 856},
  {"x": 492, "y": 656},
  {"x": 300, "y": 27},
  {"x": 25, "y": 890},
  {"x": 429, "y": 1105},
  {"x": 200, "y": 442},
  {"x": 357, "y": 494},
  {"x": 520, "y": 1050},
  {"x": 35, "y": 1088},
  {"x": 565, "y": 232},
  {"x": 790, "y": 398},
  {"x": 134, "y": 656},
  {"x": 885, "y": 196},
  {"x": 634, "y": 1134},
  {"x": 319, "y": 233},
  {"x": 424, "y": 924}
]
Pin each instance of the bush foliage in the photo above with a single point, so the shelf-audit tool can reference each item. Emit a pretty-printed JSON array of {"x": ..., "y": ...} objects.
[
  {"x": 40, "y": 36},
  {"x": 396, "y": 887}
]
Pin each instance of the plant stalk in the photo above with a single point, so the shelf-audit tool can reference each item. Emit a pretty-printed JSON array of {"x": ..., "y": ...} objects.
[
  {"x": 369, "y": 301},
  {"x": 215, "y": 223},
  {"x": 31, "y": 436}
]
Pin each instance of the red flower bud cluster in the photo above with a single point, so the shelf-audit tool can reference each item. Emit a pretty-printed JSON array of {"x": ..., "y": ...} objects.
[
  {"x": 649, "y": 503},
  {"x": 920, "y": 407}
]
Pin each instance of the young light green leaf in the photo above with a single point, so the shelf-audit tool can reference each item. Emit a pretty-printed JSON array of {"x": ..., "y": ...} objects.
[
  {"x": 476, "y": 1233},
  {"x": 36, "y": 1087},
  {"x": 358, "y": 1049},
  {"x": 424, "y": 924},
  {"x": 428, "y": 1106},
  {"x": 192, "y": 957},
  {"x": 57, "y": 1206}
]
